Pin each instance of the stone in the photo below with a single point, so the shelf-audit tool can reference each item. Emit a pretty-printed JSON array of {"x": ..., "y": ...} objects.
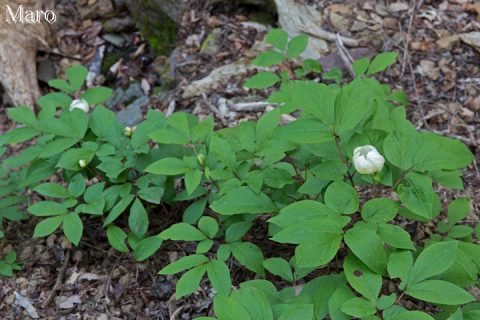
[
  {"x": 428, "y": 68},
  {"x": 132, "y": 114},
  {"x": 115, "y": 39},
  {"x": 117, "y": 24},
  {"x": 398, "y": 6},
  {"x": 358, "y": 25},
  {"x": 93, "y": 9},
  {"x": 46, "y": 70},
  {"x": 211, "y": 44},
  {"x": 471, "y": 38},
  {"x": 339, "y": 22}
]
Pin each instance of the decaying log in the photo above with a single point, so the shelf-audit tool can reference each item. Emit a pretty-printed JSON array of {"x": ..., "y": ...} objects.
[{"x": 19, "y": 43}]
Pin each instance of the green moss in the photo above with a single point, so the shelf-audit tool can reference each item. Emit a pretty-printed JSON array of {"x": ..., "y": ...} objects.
[
  {"x": 110, "y": 59},
  {"x": 155, "y": 26}
]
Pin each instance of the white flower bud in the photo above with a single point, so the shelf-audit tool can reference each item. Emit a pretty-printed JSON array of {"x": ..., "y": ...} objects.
[
  {"x": 82, "y": 163},
  {"x": 79, "y": 104},
  {"x": 128, "y": 131},
  {"x": 367, "y": 160}
]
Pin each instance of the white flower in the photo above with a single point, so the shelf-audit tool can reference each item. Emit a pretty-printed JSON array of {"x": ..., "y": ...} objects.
[
  {"x": 82, "y": 163},
  {"x": 128, "y": 131},
  {"x": 79, "y": 104},
  {"x": 367, "y": 160}
]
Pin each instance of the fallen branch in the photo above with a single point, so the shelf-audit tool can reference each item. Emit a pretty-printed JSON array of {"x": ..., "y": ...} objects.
[{"x": 58, "y": 282}]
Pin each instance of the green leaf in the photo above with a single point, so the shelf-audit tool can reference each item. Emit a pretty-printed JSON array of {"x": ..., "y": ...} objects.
[
  {"x": 47, "y": 226},
  {"x": 76, "y": 75},
  {"x": 409, "y": 315},
  {"x": 304, "y": 131},
  {"x": 395, "y": 236},
  {"x": 361, "y": 278},
  {"x": 277, "y": 38},
  {"x": 46, "y": 208},
  {"x": 116, "y": 237},
  {"x": 228, "y": 309},
  {"x": 458, "y": 209},
  {"x": 152, "y": 195},
  {"x": 416, "y": 194},
  {"x": 439, "y": 292},
  {"x": 400, "y": 264},
  {"x": 279, "y": 267},
  {"x": 97, "y": 95},
  {"x": 360, "y": 66},
  {"x": 24, "y": 115},
  {"x": 321, "y": 250},
  {"x": 208, "y": 226},
  {"x": 69, "y": 159},
  {"x": 249, "y": 255},
  {"x": 243, "y": 200},
  {"x": 367, "y": 246},
  {"x": 147, "y": 247},
  {"x": 18, "y": 135},
  {"x": 341, "y": 197},
  {"x": 262, "y": 80},
  {"x": 118, "y": 209},
  {"x": 302, "y": 312},
  {"x": 379, "y": 210},
  {"x": 182, "y": 231},
  {"x": 386, "y": 301},
  {"x": 433, "y": 260},
  {"x": 194, "y": 211},
  {"x": 382, "y": 61},
  {"x": 167, "y": 166},
  {"x": 219, "y": 275},
  {"x": 193, "y": 177},
  {"x": 341, "y": 294},
  {"x": 138, "y": 219},
  {"x": 77, "y": 185},
  {"x": 204, "y": 246},
  {"x": 184, "y": 264},
  {"x": 330, "y": 170},
  {"x": 458, "y": 232},
  {"x": 296, "y": 46},
  {"x": 190, "y": 281},
  {"x": 57, "y": 146},
  {"x": 301, "y": 211},
  {"x": 358, "y": 307},
  {"x": 61, "y": 85},
  {"x": 400, "y": 145},
  {"x": 268, "y": 59},
  {"x": 435, "y": 152},
  {"x": 53, "y": 190},
  {"x": 73, "y": 227},
  {"x": 255, "y": 302}
]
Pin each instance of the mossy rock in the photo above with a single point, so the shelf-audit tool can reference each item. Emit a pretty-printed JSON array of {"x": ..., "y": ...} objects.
[{"x": 157, "y": 22}]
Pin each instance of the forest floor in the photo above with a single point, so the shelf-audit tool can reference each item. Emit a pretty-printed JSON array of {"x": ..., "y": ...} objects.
[{"x": 438, "y": 67}]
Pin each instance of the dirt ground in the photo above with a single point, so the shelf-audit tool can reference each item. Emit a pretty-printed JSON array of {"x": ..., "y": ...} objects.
[{"x": 438, "y": 66}]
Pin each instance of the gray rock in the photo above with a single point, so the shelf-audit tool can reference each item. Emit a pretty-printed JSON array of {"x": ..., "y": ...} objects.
[
  {"x": 132, "y": 114},
  {"x": 115, "y": 39},
  {"x": 124, "y": 97},
  {"x": 117, "y": 24},
  {"x": 46, "y": 71}
]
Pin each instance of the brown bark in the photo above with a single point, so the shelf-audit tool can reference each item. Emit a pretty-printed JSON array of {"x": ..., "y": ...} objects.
[{"x": 18, "y": 48}]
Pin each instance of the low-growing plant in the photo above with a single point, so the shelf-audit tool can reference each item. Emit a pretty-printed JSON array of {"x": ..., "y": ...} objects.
[{"x": 336, "y": 186}]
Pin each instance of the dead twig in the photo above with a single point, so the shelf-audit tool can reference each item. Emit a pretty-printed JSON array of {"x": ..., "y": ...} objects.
[
  {"x": 58, "y": 282},
  {"x": 215, "y": 110},
  {"x": 344, "y": 55}
]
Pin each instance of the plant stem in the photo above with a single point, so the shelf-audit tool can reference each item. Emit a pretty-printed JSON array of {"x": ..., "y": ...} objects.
[{"x": 337, "y": 143}]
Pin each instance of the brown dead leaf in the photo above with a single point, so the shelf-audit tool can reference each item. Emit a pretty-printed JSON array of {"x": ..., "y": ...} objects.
[{"x": 448, "y": 42}]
